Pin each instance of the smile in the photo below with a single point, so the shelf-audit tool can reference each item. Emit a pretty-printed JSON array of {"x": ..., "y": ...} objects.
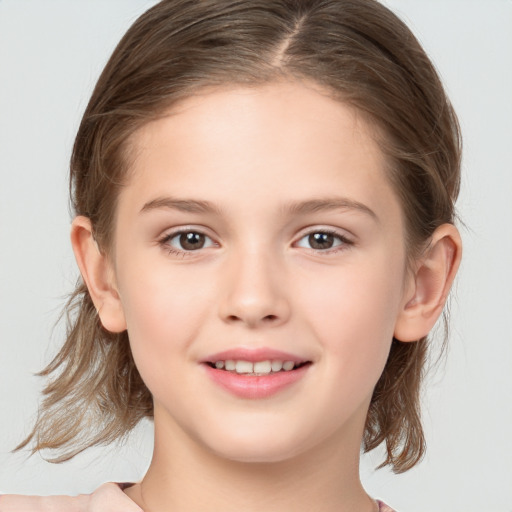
[
  {"x": 257, "y": 368},
  {"x": 255, "y": 373}
]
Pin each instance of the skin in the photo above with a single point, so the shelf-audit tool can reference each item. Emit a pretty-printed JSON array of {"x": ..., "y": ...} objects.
[{"x": 254, "y": 154}]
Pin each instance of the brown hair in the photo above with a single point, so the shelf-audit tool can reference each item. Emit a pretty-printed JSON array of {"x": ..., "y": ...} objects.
[{"x": 356, "y": 49}]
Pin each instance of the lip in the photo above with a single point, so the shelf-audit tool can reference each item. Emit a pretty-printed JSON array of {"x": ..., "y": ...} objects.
[
  {"x": 255, "y": 386},
  {"x": 253, "y": 355}
]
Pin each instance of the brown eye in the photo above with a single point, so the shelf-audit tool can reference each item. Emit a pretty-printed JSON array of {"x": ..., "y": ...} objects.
[
  {"x": 321, "y": 240},
  {"x": 187, "y": 241},
  {"x": 192, "y": 241}
]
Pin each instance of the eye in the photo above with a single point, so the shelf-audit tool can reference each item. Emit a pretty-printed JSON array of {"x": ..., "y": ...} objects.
[
  {"x": 323, "y": 240},
  {"x": 187, "y": 241}
]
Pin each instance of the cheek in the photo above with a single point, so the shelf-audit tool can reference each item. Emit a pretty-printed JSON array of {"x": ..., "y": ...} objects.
[
  {"x": 159, "y": 299},
  {"x": 162, "y": 314},
  {"x": 353, "y": 312}
]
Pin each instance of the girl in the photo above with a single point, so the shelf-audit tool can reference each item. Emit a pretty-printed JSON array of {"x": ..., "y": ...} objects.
[{"x": 264, "y": 197}]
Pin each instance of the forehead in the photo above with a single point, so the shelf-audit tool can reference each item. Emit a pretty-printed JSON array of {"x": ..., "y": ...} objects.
[{"x": 288, "y": 137}]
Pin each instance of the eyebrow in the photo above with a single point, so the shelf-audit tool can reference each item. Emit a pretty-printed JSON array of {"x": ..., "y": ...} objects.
[
  {"x": 327, "y": 204},
  {"x": 296, "y": 208},
  {"x": 184, "y": 205}
]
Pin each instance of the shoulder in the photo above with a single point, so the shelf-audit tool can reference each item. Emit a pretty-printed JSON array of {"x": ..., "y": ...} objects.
[
  {"x": 382, "y": 507},
  {"x": 107, "y": 498}
]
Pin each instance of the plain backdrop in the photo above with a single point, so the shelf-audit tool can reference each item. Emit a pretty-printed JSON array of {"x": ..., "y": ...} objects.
[{"x": 51, "y": 53}]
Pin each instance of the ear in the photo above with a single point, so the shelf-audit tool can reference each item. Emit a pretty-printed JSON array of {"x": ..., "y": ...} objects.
[
  {"x": 428, "y": 286},
  {"x": 98, "y": 275}
]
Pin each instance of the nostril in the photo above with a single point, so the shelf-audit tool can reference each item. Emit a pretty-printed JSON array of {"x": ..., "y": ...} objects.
[{"x": 268, "y": 318}]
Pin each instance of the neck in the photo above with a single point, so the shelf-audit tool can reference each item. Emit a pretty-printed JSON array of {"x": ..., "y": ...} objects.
[{"x": 186, "y": 477}]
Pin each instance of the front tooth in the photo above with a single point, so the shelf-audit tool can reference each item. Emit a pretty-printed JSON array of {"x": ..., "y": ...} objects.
[
  {"x": 243, "y": 367},
  {"x": 262, "y": 367},
  {"x": 277, "y": 366},
  {"x": 288, "y": 365},
  {"x": 230, "y": 365}
]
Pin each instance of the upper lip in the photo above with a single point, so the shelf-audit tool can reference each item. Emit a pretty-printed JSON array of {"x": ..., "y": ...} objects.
[{"x": 254, "y": 355}]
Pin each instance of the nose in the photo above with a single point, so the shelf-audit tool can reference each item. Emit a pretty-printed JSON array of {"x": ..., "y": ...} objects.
[{"x": 254, "y": 292}]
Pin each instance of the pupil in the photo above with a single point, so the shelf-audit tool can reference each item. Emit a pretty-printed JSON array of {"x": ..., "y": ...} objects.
[
  {"x": 321, "y": 240},
  {"x": 192, "y": 241}
]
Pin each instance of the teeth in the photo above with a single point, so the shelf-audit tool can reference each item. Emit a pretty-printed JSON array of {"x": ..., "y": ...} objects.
[
  {"x": 258, "y": 368},
  {"x": 263, "y": 367},
  {"x": 277, "y": 366},
  {"x": 244, "y": 367}
]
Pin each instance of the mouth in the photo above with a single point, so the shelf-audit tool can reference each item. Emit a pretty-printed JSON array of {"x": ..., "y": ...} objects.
[
  {"x": 256, "y": 368},
  {"x": 259, "y": 373}
]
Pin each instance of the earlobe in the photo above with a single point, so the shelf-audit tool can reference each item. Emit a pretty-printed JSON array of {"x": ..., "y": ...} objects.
[
  {"x": 429, "y": 285},
  {"x": 98, "y": 275}
]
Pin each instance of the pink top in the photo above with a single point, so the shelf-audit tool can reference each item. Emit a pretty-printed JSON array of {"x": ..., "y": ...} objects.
[{"x": 107, "y": 498}]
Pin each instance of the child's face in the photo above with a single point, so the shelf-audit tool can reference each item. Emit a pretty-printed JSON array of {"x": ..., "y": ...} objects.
[{"x": 295, "y": 245}]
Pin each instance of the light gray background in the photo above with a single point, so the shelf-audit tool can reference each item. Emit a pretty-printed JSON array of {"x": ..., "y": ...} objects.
[{"x": 51, "y": 53}]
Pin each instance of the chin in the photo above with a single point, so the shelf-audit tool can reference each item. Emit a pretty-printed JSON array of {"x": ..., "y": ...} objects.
[
  {"x": 269, "y": 446},
  {"x": 257, "y": 454}
]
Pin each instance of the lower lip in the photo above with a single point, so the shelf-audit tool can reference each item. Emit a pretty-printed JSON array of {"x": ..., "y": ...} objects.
[{"x": 255, "y": 386}]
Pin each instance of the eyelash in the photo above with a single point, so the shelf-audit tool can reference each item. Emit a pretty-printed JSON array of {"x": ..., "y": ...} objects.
[
  {"x": 344, "y": 242},
  {"x": 166, "y": 239}
]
